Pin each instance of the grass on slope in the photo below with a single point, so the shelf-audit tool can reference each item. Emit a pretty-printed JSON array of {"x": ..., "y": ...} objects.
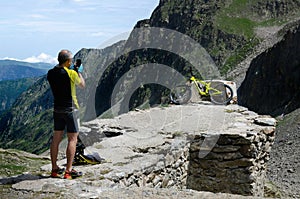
[
  {"x": 14, "y": 162},
  {"x": 238, "y": 18}
]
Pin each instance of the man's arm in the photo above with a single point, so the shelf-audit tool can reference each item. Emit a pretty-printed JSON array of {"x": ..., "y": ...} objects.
[{"x": 82, "y": 82}]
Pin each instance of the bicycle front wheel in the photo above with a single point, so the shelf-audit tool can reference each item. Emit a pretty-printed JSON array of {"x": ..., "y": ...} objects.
[
  {"x": 181, "y": 94},
  {"x": 220, "y": 93}
]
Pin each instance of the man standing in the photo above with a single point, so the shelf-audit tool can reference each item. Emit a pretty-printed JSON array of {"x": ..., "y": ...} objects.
[{"x": 63, "y": 83}]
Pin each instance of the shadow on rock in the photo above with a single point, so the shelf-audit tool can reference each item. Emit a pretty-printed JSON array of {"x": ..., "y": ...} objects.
[{"x": 23, "y": 177}]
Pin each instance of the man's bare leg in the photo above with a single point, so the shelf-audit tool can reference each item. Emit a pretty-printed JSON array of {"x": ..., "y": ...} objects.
[
  {"x": 57, "y": 136},
  {"x": 71, "y": 149}
]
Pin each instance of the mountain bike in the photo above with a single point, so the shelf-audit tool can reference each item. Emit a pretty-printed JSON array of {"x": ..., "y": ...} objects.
[{"x": 218, "y": 92}]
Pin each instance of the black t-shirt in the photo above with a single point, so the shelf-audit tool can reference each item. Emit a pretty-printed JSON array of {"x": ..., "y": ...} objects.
[{"x": 62, "y": 82}]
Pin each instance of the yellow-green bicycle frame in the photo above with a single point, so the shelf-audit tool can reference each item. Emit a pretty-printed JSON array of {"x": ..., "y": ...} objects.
[{"x": 206, "y": 89}]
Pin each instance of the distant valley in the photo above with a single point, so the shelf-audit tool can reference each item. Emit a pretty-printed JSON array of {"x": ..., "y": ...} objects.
[
  {"x": 11, "y": 69},
  {"x": 16, "y": 77}
]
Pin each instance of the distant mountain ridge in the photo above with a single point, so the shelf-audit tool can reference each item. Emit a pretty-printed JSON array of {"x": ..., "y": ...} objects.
[{"x": 11, "y": 69}]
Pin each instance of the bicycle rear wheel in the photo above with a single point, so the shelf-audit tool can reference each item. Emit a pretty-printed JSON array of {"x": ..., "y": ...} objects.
[
  {"x": 220, "y": 93},
  {"x": 181, "y": 94}
]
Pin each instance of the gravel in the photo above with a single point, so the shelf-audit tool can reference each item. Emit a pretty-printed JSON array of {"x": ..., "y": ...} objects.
[{"x": 284, "y": 164}]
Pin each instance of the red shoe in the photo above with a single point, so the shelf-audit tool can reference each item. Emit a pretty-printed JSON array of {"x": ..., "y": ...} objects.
[
  {"x": 72, "y": 174},
  {"x": 56, "y": 173}
]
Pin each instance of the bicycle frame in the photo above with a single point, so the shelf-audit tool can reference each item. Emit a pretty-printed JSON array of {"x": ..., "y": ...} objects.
[{"x": 207, "y": 87}]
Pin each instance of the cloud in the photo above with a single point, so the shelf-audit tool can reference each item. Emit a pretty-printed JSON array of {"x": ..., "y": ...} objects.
[
  {"x": 41, "y": 58},
  {"x": 37, "y": 16},
  {"x": 97, "y": 34},
  {"x": 49, "y": 26}
]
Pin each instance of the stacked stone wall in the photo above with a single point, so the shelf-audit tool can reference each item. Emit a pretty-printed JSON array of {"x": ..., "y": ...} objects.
[{"x": 236, "y": 164}]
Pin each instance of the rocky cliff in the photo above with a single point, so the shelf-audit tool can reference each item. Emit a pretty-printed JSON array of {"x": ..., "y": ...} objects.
[
  {"x": 272, "y": 81},
  {"x": 230, "y": 31}
]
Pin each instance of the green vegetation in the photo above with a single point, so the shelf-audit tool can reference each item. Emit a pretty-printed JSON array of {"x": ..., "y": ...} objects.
[
  {"x": 36, "y": 139},
  {"x": 238, "y": 26},
  {"x": 11, "y": 89},
  {"x": 271, "y": 190},
  {"x": 107, "y": 115},
  {"x": 241, "y": 19},
  {"x": 39, "y": 131},
  {"x": 120, "y": 164},
  {"x": 239, "y": 55},
  {"x": 234, "y": 19},
  {"x": 177, "y": 134},
  {"x": 167, "y": 8},
  {"x": 14, "y": 162},
  {"x": 103, "y": 172},
  {"x": 272, "y": 22},
  {"x": 28, "y": 125}
]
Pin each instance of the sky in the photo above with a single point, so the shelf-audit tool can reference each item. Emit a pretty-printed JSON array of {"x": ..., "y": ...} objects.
[{"x": 36, "y": 30}]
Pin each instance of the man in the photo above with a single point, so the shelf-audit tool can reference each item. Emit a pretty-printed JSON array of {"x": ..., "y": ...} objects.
[{"x": 63, "y": 83}]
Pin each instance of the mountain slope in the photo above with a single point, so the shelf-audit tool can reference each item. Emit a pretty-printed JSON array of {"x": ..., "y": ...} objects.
[
  {"x": 11, "y": 69},
  {"x": 28, "y": 122},
  {"x": 11, "y": 89}
]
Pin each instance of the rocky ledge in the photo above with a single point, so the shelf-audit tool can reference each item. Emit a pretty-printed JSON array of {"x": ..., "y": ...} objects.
[{"x": 191, "y": 151}]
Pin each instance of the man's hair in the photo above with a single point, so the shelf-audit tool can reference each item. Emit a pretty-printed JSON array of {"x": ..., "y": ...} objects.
[{"x": 63, "y": 56}]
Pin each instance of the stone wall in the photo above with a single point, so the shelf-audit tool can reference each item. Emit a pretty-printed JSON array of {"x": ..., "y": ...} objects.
[
  {"x": 236, "y": 164},
  {"x": 170, "y": 172}
]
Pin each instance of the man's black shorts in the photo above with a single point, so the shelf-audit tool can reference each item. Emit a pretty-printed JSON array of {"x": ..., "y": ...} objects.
[{"x": 66, "y": 120}]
